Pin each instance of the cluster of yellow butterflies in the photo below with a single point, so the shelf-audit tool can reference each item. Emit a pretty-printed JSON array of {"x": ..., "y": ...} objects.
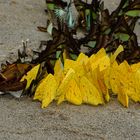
[{"x": 89, "y": 80}]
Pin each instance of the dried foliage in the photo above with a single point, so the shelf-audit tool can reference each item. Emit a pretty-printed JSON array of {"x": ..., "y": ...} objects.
[{"x": 101, "y": 29}]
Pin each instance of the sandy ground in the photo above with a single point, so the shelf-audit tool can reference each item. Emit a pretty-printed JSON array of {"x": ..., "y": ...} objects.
[{"x": 24, "y": 119}]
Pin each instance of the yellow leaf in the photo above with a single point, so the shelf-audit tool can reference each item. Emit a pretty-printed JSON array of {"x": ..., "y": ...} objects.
[
  {"x": 73, "y": 93},
  {"x": 30, "y": 76},
  {"x": 46, "y": 90},
  {"x": 90, "y": 94}
]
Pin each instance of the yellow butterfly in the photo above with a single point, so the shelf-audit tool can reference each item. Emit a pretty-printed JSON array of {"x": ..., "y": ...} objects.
[
  {"x": 62, "y": 87},
  {"x": 31, "y": 75},
  {"x": 46, "y": 90},
  {"x": 90, "y": 94},
  {"x": 73, "y": 93}
]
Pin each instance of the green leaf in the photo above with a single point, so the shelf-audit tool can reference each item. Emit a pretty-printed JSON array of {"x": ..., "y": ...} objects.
[
  {"x": 58, "y": 54},
  {"x": 94, "y": 15},
  {"x": 87, "y": 16},
  {"x": 133, "y": 13},
  {"x": 122, "y": 36},
  {"x": 107, "y": 31},
  {"x": 92, "y": 44},
  {"x": 50, "y": 6},
  {"x": 52, "y": 62},
  {"x": 80, "y": 7},
  {"x": 73, "y": 56},
  {"x": 126, "y": 4},
  {"x": 87, "y": 11}
]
